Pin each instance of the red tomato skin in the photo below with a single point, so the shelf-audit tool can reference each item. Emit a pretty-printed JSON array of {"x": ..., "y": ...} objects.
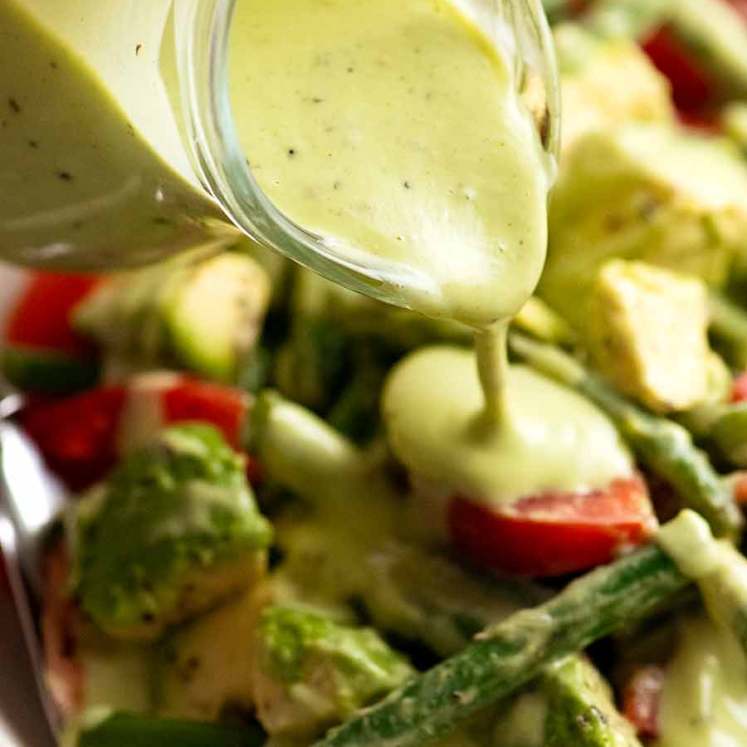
[
  {"x": 693, "y": 90},
  {"x": 78, "y": 435},
  {"x": 739, "y": 389},
  {"x": 642, "y": 700},
  {"x": 222, "y": 406},
  {"x": 740, "y": 6},
  {"x": 41, "y": 317},
  {"x": 555, "y": 533}
]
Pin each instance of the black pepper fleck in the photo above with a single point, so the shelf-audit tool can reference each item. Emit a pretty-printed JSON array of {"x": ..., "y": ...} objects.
[
  {"x": 406, "y": 185},
  {"x": 53, "y": 65},
  {"x": 33, "y": 144},
  {"x": 15, "y": 107},
  {"x": 138, "y": 49},
  {"x": 291, "y": 152},
  {"x": 65, "y": 176},
  {"x": 351, "y": 69},
  {"x": 317, "y": 100}
]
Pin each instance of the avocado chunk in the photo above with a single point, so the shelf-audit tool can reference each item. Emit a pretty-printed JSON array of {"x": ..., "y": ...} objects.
[
  {"x": 215, "y": 316},
  {"x": 647, "y": 333},
  {"x": 580, "y": 709},
  {"x": 590, "y": 67},
  {"x": 174, "y": 531},
  {"x": 202, "y": 313},
  {"x": 312, "y": 672},
  {"x": 650, "y": 192},
  {"x": 205, "y": 665}
]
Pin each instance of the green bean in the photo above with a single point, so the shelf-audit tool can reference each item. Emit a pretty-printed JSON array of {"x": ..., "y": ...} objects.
[
  {"x": 513, "y": 652},
  {"x": 581, "y": 711}
]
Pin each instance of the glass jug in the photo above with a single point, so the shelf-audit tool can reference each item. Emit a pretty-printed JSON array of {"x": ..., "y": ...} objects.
[{"x": 118, "y": 145}]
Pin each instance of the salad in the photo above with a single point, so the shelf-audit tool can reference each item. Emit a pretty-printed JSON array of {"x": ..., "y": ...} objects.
[{"x": 282, "y": 531}]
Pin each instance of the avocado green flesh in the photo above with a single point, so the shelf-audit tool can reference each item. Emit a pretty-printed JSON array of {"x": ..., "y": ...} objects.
[
  {"x": 178, "y": 506},
  {"x": 551, "y": 439},
  {"x": 214, "y": 316},
  {"x": 646, "y": 192},
  {"x": 385, "y": 137}
]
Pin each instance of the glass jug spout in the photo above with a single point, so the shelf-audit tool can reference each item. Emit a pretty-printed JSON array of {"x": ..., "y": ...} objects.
[{"x": 517, "y": 29}]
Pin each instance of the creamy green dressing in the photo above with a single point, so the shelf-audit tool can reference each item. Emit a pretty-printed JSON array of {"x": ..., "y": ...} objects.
[
  {"x": 706, "y": 685},
  {"x": 550, "y": 439},
  {"x": 705, "y": 690},
  {"x": 393, "y": 131},
  {"x": 76, "y": 175},
  {"x": 688, "y": 540}
]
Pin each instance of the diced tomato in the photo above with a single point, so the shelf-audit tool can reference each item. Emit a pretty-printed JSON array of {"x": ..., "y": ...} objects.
[
  {"x": 738, "y": 482},
  {"x": 642, "y": 700},
  {"x": 693, "y": 89},
  {"x": 740, "y": 6},
  {"x": 78, "y": 435},
  {"x": 222, "y": 406},
  {"x": 739, "y": 388},
  {"x": 41, "y": 318},
  {"x": 226, "y": 408},
  {"x": 60, "y": 624},
  {"x": 707, "y": 122},
  {"x": 554, "y": 533}
]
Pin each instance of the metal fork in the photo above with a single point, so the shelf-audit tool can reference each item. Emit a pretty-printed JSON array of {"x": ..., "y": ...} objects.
[{"x": 31, "y": 500}]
